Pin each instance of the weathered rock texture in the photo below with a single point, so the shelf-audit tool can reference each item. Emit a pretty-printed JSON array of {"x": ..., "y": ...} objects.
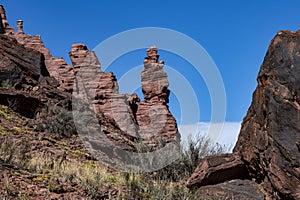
[
  {"x": 4, "y": 27},
  {"x": 101, "y": 89},
  {"x": 149, "y": 120},
  {"x": 18, "y": 62},
  {"x": 153, "y": 116},
  {"x": 154, "y": 79},
  {"x": 57, "y": 67},
  {"x": 26, "y": 84},
  {"x": 271, "y": 129},
  {"x": 234, "y": 189},
  {"x": 33, "y": 79},
  {"x": 268, "y": 143},
  {"x": 214, "y": 169}
]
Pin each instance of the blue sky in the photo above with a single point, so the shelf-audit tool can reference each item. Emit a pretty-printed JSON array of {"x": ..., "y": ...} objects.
[{"x": 236, "y": 35}]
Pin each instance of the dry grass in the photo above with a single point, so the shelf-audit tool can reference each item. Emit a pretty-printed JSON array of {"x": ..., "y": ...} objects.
[{"x": 92, "y": 179}]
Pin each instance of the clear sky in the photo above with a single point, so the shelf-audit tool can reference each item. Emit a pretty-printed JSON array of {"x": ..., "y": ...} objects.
[{"x": 236, "y": 35}]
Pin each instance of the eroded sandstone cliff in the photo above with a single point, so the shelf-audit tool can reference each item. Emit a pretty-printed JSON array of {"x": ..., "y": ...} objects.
[{"x": 29, "y": 69}]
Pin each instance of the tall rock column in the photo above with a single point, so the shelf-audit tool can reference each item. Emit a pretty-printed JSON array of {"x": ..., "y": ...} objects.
[
  {"x": 154, "y": 80},
  {"x": 153, "y": 116}
]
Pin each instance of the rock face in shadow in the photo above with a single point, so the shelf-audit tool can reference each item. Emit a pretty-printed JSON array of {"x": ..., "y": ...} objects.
[
  {"x": 25, "y": 83},
  {"x": 57, "y": 67},
  {"x": 18, "y": 62},
  {"x": 270, "y": 134},
  {"x": 4, "y": 27},
  {"x": 268, "y": 143},
  {"x": 234, "y": 189}
]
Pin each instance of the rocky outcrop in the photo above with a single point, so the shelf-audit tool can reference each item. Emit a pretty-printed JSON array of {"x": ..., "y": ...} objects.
[
  {"x": 149, "y": 120},
  {"x": 57, "y": 67},
  {"x": 18, "y": 62},
  {"x": 153, "y": 116},
  {"x": 154, "y": 79},
  {"x": 26, "y": 86},
  {"x": 234, "y": 189},
  {"x": 214, "y": 170},
  {"x": 4, "y": 25},
  {"x": 39, "y": 77},
  {"x": 268, "y": 143},
  {"x": 271, "y": 129}
]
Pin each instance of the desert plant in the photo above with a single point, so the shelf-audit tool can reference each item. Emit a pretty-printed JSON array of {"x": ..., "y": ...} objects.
[
  {"x": 56, "y": 119},
  {"x": 23, "y": 155},
  {"x": 192, "y": 153},
  {"x": 169, "y": 182},
  {"x": 7, "y": 150},
  {"x": 9, "y": 188},
  {"x": 6, "y": 83},
  {"x": 142, "y": 186}
]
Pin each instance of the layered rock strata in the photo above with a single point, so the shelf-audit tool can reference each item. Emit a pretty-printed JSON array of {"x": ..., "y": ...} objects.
[
  {"x": 268, "y": 143},
  {"x": 153, "y": 115},
  {"x": 35, "y": 75}
]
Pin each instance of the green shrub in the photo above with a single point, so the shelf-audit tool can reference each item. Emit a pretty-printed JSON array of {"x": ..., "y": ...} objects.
[
  {"x": 56, "y": 119},
  {"x": 6, "y": 83},
  {"x": 191, "y": 154},
  {"x": 169, "y": 182}
]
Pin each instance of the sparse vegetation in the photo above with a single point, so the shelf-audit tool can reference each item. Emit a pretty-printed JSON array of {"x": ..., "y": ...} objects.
[
  {"x": 56, "y": 119},
  {"x": 6, "y": 83},
  {"x": 63, "y": 171}
]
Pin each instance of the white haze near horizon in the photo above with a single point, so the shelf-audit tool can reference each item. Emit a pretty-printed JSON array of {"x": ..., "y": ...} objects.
[{"x": 228, "y": 136}]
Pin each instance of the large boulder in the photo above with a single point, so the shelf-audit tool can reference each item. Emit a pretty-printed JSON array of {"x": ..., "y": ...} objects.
[
  {"x": 233, "y": 189},
  {"x": 217, "y": 169}
]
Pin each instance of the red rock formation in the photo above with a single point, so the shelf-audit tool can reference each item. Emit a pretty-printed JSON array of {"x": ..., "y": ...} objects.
[
  {"x": 101, "y": 88},
  {"x": 153, "y": 116},
  {"x": 57, "y": 67},
  {"x": 5, "y": 28},
  {"x": 214, "y": 170},
  {"x": 26, "y": 85},
  {"x": 20, "y": 27},
  {"x": 150, "y": 120},
  {"x": 154, "y": 79},
  {"x": 268, "y": 144},
  {"x": 18, "y": 62},
  {"x": 271, "y": 129}
]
